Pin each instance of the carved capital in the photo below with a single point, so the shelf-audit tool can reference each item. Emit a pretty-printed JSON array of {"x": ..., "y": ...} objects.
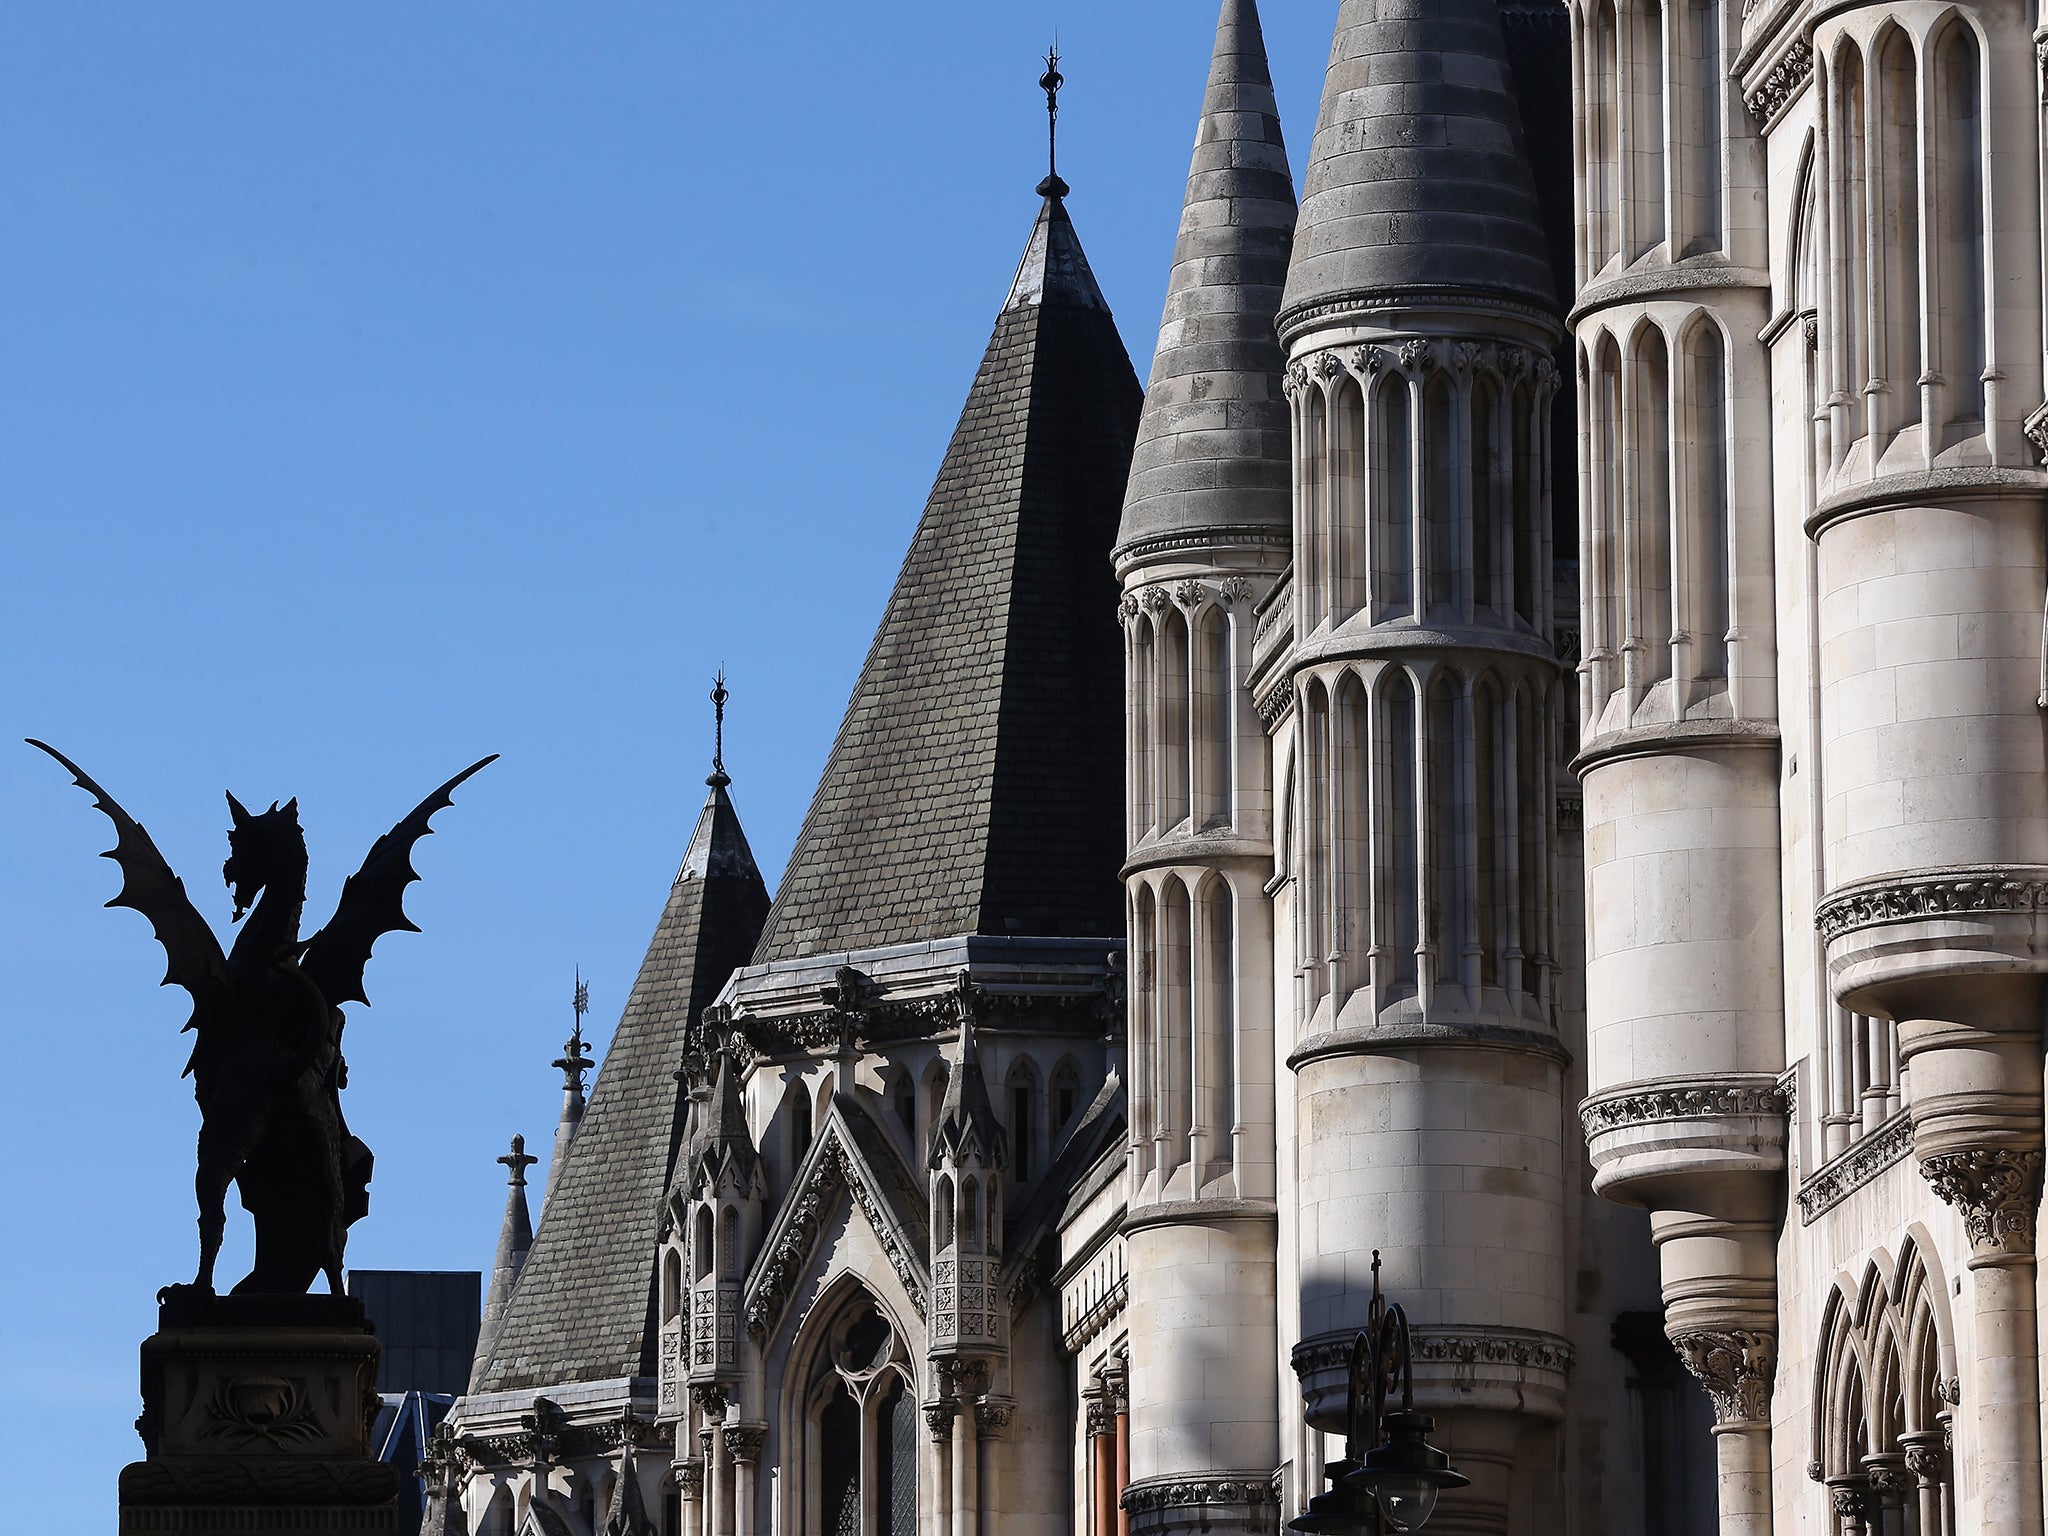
[
  {"x": 2036, "y": 429},
  {"x": 1189, "y": 594},
  {"x": 1126, "y": 608},
  {"x": 1415, "y": 355},
  {"x": 690, "y": 1478},
  {"x": 1997, "y": 1189},
  {"x": 991, "y": 1418},
  {"x": 1155, "y": 598},
  {"x": 938, "y": 1418},
  {"x": 1236, "y": 589},
  {"x": 1329, "y": 365},
  {"x": 1925, "y": 1459},
  {"x": 1851, "y": 1497},
  {"x": 743, "y": 1441},
  {"x": 1736, "y": 1367},
  {"x": 709, "y": 1396}
]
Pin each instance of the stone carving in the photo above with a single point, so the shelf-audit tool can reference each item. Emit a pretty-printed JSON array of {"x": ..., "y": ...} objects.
[
  {"x": 1996, "y": 1189},
  {"x": 247, "y": 1409},
  {"x": 1275, "y": 701},
  {"x": 1100, "y": 1420},
  {"x": 690, "y": 1478},
  {"x": 266, "y": 1062},
  {"x": 1328, "y": 365},
  {"x": 2036, "y": 429},
  {"x": 744, "y": 1441},
  {"x": 1890, "y": 1482},
  {"x": 1236, "y": 589},
  {"x": 1190, "y": 594},
  {"x": 1155, "y": 598},
  {"x": 1571, "y": 813},
  {"x": 1566, "y": 645},
  {"x": 1369, "y": 360},
  {"x": 1851, "y": 1498},
  {"x": 1932, "y": 896},
  {"x": 1415, "y": 355},
  {"x": 1691, "y": 1102},
  {"x": 710, "y": 1398},
  {"x": 1462, "y": 357},
  {"x": 1143, "y": 1498},
  {"x": 1297, "y": 378},
  {"x": 1547, "y": 375},
  {"x": 831, "y": 1171},
  {"x": 1925, "y": 1463},
  {"x": 1736, "y": 1368},
  {"x": 991, "y": 1418},
  {"x": 938, "y": 1419},
  {"x": 1786, "y": 76},
  {"x": 1126, "y": 608},
  {"x": 1862, "y": 1161}
]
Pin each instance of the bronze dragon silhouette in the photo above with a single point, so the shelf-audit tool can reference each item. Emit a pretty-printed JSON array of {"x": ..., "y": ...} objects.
[{"x": 266, "y": 1066}]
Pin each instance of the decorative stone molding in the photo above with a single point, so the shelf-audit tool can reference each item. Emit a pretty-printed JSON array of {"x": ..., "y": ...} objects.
[
  {"x": 1736, "y": 1367},
  {"x": 1155, "y": 598},
  {"x": 1926, "y": 1463},
  {"x": 1275, "y": 702},
  {"x": 1509, "y": 1370},
  {"x": 1786, "y": 76},
  {"x": 1851, "y": 1498},
  {"x": 1997, "y": 1189},
  {"x": 1370, "y": 360},
  {"x": 1415, "y": 355},
  {"x": 1236, "y": 589},
  {"x": 1691, "y": 1101},
  {"x": 743, "y": 1442},
  {"x": 2036, "y": 429},
  {"x": 1934, "y": 895},
  {"x": 1855, "y": 1166},
  {"x": 1571, "y": 813},
  {"x": 1190, "y": 594},
  {"x": 1890, "y": 1482},
  {"x": 992, "y": 1418},
  {"x": 1126, "y": 608},
  {"x": 1176, "y": 1492},
  {"x": 1565, "y": 642},
  {"x": 831, "y": 1171},
  {"x": 1296, "y": 380},
  {"x": 690, "y": 1478},
  {"x": 938, "y": 1419},
  {"x": 1329, "y": 365},
  {"x": 1100, "y": 1420},
  {"x": 1521, "y": 1351},
  {"x": 710, "y": 1399}
]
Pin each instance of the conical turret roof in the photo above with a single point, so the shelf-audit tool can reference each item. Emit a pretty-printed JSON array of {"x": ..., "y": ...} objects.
[
  {"x": 967, "y": 1123},
  {"x": 515, "y": 1241},
  {"x": 584, "y": 1306},
  {"x": 1418, "y": 181},
  {"x": 1212, "y": 452},
  {"x": 975, "y": 785}
]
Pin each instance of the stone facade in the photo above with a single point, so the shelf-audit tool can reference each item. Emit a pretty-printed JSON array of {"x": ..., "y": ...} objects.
[{"x": 1577, "y": 788}]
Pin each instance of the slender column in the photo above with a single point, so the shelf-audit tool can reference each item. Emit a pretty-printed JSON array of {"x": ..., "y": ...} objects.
[
  {"x": 1997, "y": 1190},
  {"x": 1736, "y": 1367},
  {"x": 990, "y": 1420},
  {"x": 689, "y": 1474},
  {"x": 966, "y": 1493},
  {"x": 744, "y": 1442},
  {"x": 938, "y": 1421},
  {"x": 709, "y": 1437},
  {"x": 1924, "y": 1460},
  {"x": 1123, "y": 1461},
  {"x": 1102, "y": 1464}
]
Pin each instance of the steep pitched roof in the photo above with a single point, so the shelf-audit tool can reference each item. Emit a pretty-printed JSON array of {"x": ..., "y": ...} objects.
[
  {"x": 975, "y": 785},
  {"x": 1418, "y": 180},
  {"x": 1212, "y": 448},
  {"x": 583, "y": 1308}
]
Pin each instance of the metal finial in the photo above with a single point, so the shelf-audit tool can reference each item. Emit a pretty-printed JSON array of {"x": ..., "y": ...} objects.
[
  {"x": 575, "y": 1060},
  {"x": 718, "y": 777},
  {"x": 1050, "y": 82},
  {"x": 519, "y": 1160}
]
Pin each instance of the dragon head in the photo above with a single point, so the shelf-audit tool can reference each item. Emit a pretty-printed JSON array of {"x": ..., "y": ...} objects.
[{"x": 260, "y": 849}]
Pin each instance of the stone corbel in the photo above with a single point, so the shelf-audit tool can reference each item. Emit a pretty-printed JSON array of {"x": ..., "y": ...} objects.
[
  {"x": 1997, "y": 1189},
  {"x": 938, "y": 1419},
  {"x": 1737, "y": 1367},
  {"x": 690, "y": 1478},
  {"x": 992, "y": 1416},
  {"x": 743, "y": 1442}
]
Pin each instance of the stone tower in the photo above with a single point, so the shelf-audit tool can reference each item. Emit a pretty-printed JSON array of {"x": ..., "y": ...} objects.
[
  {"x": 1419, "y": 318},
  {"x": 1204, "y": 537}
]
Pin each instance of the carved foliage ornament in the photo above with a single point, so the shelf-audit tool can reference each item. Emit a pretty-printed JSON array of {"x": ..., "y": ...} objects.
[
  {"x": 1704, "y": 1101},
  {"x": 743, "y": 1442},
  {"x": 1736, "y": 1368},
  {"x": 1996, "y": 1189},
  {"x": 1865, "y": 1159},
  {"x": 1786, "y": 76},
  {"x": 1991, "y": 891},
  {"x": 1146, "y": 1497}
]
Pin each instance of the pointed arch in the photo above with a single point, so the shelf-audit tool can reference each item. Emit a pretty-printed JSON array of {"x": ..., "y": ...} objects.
[
  {"x": 1445, "y": 469},
  {"x": 1704, "y": 602},
  {"x": 1174, "y": 1042},
  {"x": 1142, "y": 1024},
  {"x": 1022, "y": 1102},
  {"x": 1347, "y": 527},
  {"x": 1958, "y": 122},
  {"x": 1647, "y": 526},
  {"x": 1317, "y": 919},
  {"x": 1144, "y": 728},
  {"x": 1214, "y": 1057},
  {"x": 1064, "y": 1102},
  {"x": 1392, "y": 445},
  {"x": 1211, "y": 726},
  {"x": 1397, "y": 857},
  {"x": 1447, "y": 802}
]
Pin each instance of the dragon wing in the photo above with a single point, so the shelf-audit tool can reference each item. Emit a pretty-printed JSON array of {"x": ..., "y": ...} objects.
[
  {"x": 373, "y": 901},
  {"x": 148, "y": 886}
]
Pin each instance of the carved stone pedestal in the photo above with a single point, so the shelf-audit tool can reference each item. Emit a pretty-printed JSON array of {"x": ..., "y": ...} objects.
[{"x": 256, "y": 1415}]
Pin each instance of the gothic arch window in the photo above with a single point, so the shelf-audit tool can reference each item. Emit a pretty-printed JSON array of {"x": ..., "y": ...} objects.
[
  {"x": 1215, "y": 1043},
  {"x": 1489, "y": 892},
  {"x": 1313, "y": 534},
  {"x": 1393, "y": 499},
  {"x": 1897, "y": 149},
  {"x": 1604, "y": 609},
  {"x": 861, "y": 1476},
  {"x": 729, "y": 1256},
  {"x": 1144, "y": 815},
  {"x": 1173, "y": 1045},
  {"x": 1959, "y": 160},
  {"x": 1647, "y": 523},
  {"x": 970, "y": 1212},
  {"x": 1063, "y": 1102},
  {"x": 1444, "y": 580},
  {"x": 1880, "y": 1435},
  {"x": 1171, "y": 717},
  {"x": 1211, "y": 723},
  {"x": 1646, "y": 76},
  {"x": 1448, "y": 900},
  {"x": 1143, "y": 1021},
  {"x": 1849, "y": 153},
  {"x": 1022, "y": 1083},
  {"x": 1705, "y": 555},
  {"x": 1603, "y": 85},
  {"x": 942, "y": 1205},
  {"x": 1351, "y": 833},
  {"x": 671, "y": 1286},
  {"x": 703, "y": 1256},
  {"x": 1702, "y": 86},
  {"x": 1397, "y": 855},
  {"x": 1317, "y": 939},
  {"x": 1347, "y": 543}
]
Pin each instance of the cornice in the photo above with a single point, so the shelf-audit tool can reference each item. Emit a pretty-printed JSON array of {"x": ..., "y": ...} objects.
[
  {"x": 1381, "y": 1039},
  {"x": 1199, "y": 541},
  {"x": 1647, "y": 284},
  {"x": 1394, "y": 642},
  {"x": 1673, "y": 736},
  {"x": 1778, "y": 89},
  {"x": 1373, "y": 304},
  {"x": 1516, "y": 1348},
  {"x": 1196, "y": 851},
  {"x": 1761, "y": 1096},
  {"x": 1929, "y": 893},
  {"x": 1855, "y": 1166},
  {"x": 1253, "y": 1489},
  {"x": 1917, "y": 487},
  {"x": 1198, "y": 1213}
]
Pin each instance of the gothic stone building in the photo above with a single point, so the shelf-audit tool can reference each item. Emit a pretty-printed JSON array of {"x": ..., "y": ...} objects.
[{"x": 1519, "y": 752}]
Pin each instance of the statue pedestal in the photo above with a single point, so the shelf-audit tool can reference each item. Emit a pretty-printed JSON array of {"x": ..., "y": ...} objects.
[{"x": 256, "y": 1415}]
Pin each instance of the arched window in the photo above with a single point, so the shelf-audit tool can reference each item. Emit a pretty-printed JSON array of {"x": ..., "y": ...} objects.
[
  {"x": 1491, "y": 545},
  {"x": 1899, "y": 108},
  {"x": 1313, "y": 535},
  {"x": 1604, "y": 608},
  {"x": 1144, "y": 1020},
  {"x": 1649, "y": 510},
  {"x": 1852, "y": 216},
  {"x": 1646, "y": 78},
  {"x": 1397, "y": 854},
  {"x": 1066, "y": 1098},
  {"x": 1318, "y": 938},
  {"x": 1172, "y": 718},
  {"x": 1703, "y": 144},
  {"x": 1603, "y": 80},
  {"x": 1449, "y": 899},
  {"x": 1023, "y": 1086},
  {"x": 1347, "y": 499},
  {"x": 1446, "y": 542},
  {"x": 671, "y": 1286},
  {"x": 1144, "y": 659},
  {"x": 1170, "y": 1060},
  {"x": 862, "y": 1476},
  {"x": 729, "y": 1256},
  {"x": 942, "y": 1211},
  {"x": 1393, "y": 517},
  {"x": 1212, "y": 724},
  {"x": 797, "y": 1107},
  {"x": 1706, "y": 549},
  {"x": 702, "y": 1255},
  {"x": 1216, "y": 1027},
  {"x": 1961, "y": 222},
  {"x": 1350, "y": 793},
  {"x": 970, "y": 1212}
]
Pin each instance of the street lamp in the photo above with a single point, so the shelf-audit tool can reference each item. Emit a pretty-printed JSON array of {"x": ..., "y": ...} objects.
[{"x": 1394, "y": 1481}]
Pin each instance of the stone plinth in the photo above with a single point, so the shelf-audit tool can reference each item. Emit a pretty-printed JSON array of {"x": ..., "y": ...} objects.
[{"x": 256, "y": 1418}]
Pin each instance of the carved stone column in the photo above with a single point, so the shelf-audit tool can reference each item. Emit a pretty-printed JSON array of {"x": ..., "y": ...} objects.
[
  {"x": 966, "y": 1471},
  {"x": 938, "y": 1422},
  {"x": 1102, "y": 1462},
  {"x": 1927, "y": 1462},
  {"x": 1997, "y": 1190},
  {"x": 1737, "y": 1367},
  {"x": 1851, "y": 1496},
  {"x": 689, "y": 1474},
  {"x": 711, "y": 1437},
  {"x": 743, "y": 1443}
]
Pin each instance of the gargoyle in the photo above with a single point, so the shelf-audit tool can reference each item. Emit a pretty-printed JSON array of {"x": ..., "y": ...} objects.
[{"x": 266, "y": 1065}]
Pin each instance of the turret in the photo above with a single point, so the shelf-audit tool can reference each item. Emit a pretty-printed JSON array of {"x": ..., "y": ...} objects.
[
  {"x": 970, "y": 1319},
  {"x": 515, "y": 1239}
]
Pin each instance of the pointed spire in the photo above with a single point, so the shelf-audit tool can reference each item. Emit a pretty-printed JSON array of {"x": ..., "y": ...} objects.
[
  {"x": 1050, "y": 82},
  {"x": 627, "y": 1514},
  {"x": 721, "y": 1141},
  {"x": 1055, "y": 269},
  {"x": 718, "y": 779},
  {"x": 1212, "y": 450},
  {"x": 574, "y": 1061},
  {"x": 515, "y": 1239},
  {"x": 967, "y": 1125},
  {"x": 1418, "y": 182}
]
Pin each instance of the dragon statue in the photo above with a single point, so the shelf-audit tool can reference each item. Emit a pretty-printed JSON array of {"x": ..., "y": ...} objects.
[{"x": 266, "y": 1066}]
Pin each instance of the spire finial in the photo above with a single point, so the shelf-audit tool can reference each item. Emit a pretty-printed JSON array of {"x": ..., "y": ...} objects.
[
  {"x": 519, "y": 1160},
  {"x": 575, "y": 1060},
  {"x": 1050, "y": 82},
  {"x": 719, "y": 778}
]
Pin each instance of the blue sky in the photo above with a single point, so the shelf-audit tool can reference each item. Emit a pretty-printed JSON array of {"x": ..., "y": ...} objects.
[{"x": 383, "y": 385}]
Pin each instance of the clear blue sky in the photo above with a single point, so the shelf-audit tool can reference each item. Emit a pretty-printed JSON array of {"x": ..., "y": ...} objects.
[{"x": 381, "y": 386}]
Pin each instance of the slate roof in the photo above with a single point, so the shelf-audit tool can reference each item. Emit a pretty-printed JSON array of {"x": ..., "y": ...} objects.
[
  {"x": 976, "y": 782},
  {"x": 583, "y": 1308},
  {"x": 1213, "y": 444},
  {"x": 1419, "y": 179}
]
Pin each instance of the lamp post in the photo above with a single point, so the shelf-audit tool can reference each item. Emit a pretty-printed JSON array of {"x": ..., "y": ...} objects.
[{"x": 1390, "y": 1475}]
